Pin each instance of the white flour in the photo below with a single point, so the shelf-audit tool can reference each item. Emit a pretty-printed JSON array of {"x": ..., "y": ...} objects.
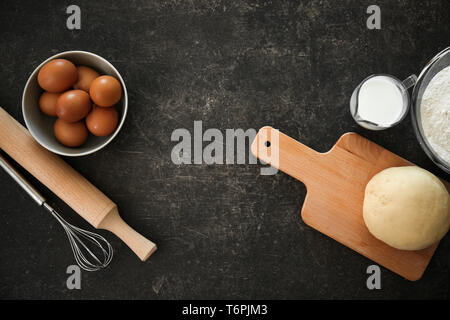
[{"x": 435, "y": 113}]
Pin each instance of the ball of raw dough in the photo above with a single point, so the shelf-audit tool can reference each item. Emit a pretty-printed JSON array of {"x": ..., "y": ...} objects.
[{"x": 407, "y": 208}]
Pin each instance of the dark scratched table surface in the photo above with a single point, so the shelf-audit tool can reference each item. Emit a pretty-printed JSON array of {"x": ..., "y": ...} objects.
[{"x": 223, "y": 231}]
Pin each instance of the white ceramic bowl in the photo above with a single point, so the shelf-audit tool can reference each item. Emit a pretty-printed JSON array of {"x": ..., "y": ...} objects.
[{"x": 41, "y": 125}]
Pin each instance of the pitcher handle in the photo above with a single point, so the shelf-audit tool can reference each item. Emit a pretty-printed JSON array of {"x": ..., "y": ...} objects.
[{"x": 410, "y": 81}]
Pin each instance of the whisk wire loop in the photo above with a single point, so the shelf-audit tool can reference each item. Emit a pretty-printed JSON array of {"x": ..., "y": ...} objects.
[{"x": 84, "y": 256}]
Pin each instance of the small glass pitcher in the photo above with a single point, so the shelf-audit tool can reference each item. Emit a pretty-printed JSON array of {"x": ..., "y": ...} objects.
[{"x": 403, "y": 86}]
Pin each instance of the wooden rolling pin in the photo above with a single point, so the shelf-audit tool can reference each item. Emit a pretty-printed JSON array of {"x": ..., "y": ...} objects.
[{"x": 69, "y": 185}]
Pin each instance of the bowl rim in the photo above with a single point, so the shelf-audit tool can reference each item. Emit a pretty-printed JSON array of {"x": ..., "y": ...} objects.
[
  {"x": 111, "y": 137},
  {"x": 423, "y": 142}
]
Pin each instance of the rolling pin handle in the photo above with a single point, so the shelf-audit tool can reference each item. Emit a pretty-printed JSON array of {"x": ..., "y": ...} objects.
[{"x": 140, "y": 245}]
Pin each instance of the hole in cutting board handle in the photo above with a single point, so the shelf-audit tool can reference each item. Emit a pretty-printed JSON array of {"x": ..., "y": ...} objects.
[{"x": 267, "y": 144}]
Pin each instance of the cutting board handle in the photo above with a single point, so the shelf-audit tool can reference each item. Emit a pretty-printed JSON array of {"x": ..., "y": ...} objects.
[{"x": 288, "y": 155}]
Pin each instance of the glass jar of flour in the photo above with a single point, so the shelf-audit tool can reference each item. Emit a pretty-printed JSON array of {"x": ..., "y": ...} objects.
[{"x": 430, "y": 109}]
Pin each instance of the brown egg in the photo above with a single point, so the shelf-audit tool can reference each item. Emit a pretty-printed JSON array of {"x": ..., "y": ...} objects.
[
  {"x": 70, "y": 134},
  {"x": 57, "y": 75},
  {"x": 85, "y": 77},
  {"x": 102, "y": 121},
  {"x": 73, "y": 105},
  {"x": 105, "y": 91},
  {"x": 47, "y": 103}
]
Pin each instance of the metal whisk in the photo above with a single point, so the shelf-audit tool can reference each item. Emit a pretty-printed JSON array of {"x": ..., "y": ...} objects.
[{"x": 85, "y": 258}]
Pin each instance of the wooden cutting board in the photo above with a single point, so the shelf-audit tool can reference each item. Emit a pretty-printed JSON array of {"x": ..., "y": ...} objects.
[{"x": 335, "y": 183}]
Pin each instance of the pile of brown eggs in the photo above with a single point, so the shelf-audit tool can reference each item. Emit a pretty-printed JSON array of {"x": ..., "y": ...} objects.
[{"x": 82, "y": 100}]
